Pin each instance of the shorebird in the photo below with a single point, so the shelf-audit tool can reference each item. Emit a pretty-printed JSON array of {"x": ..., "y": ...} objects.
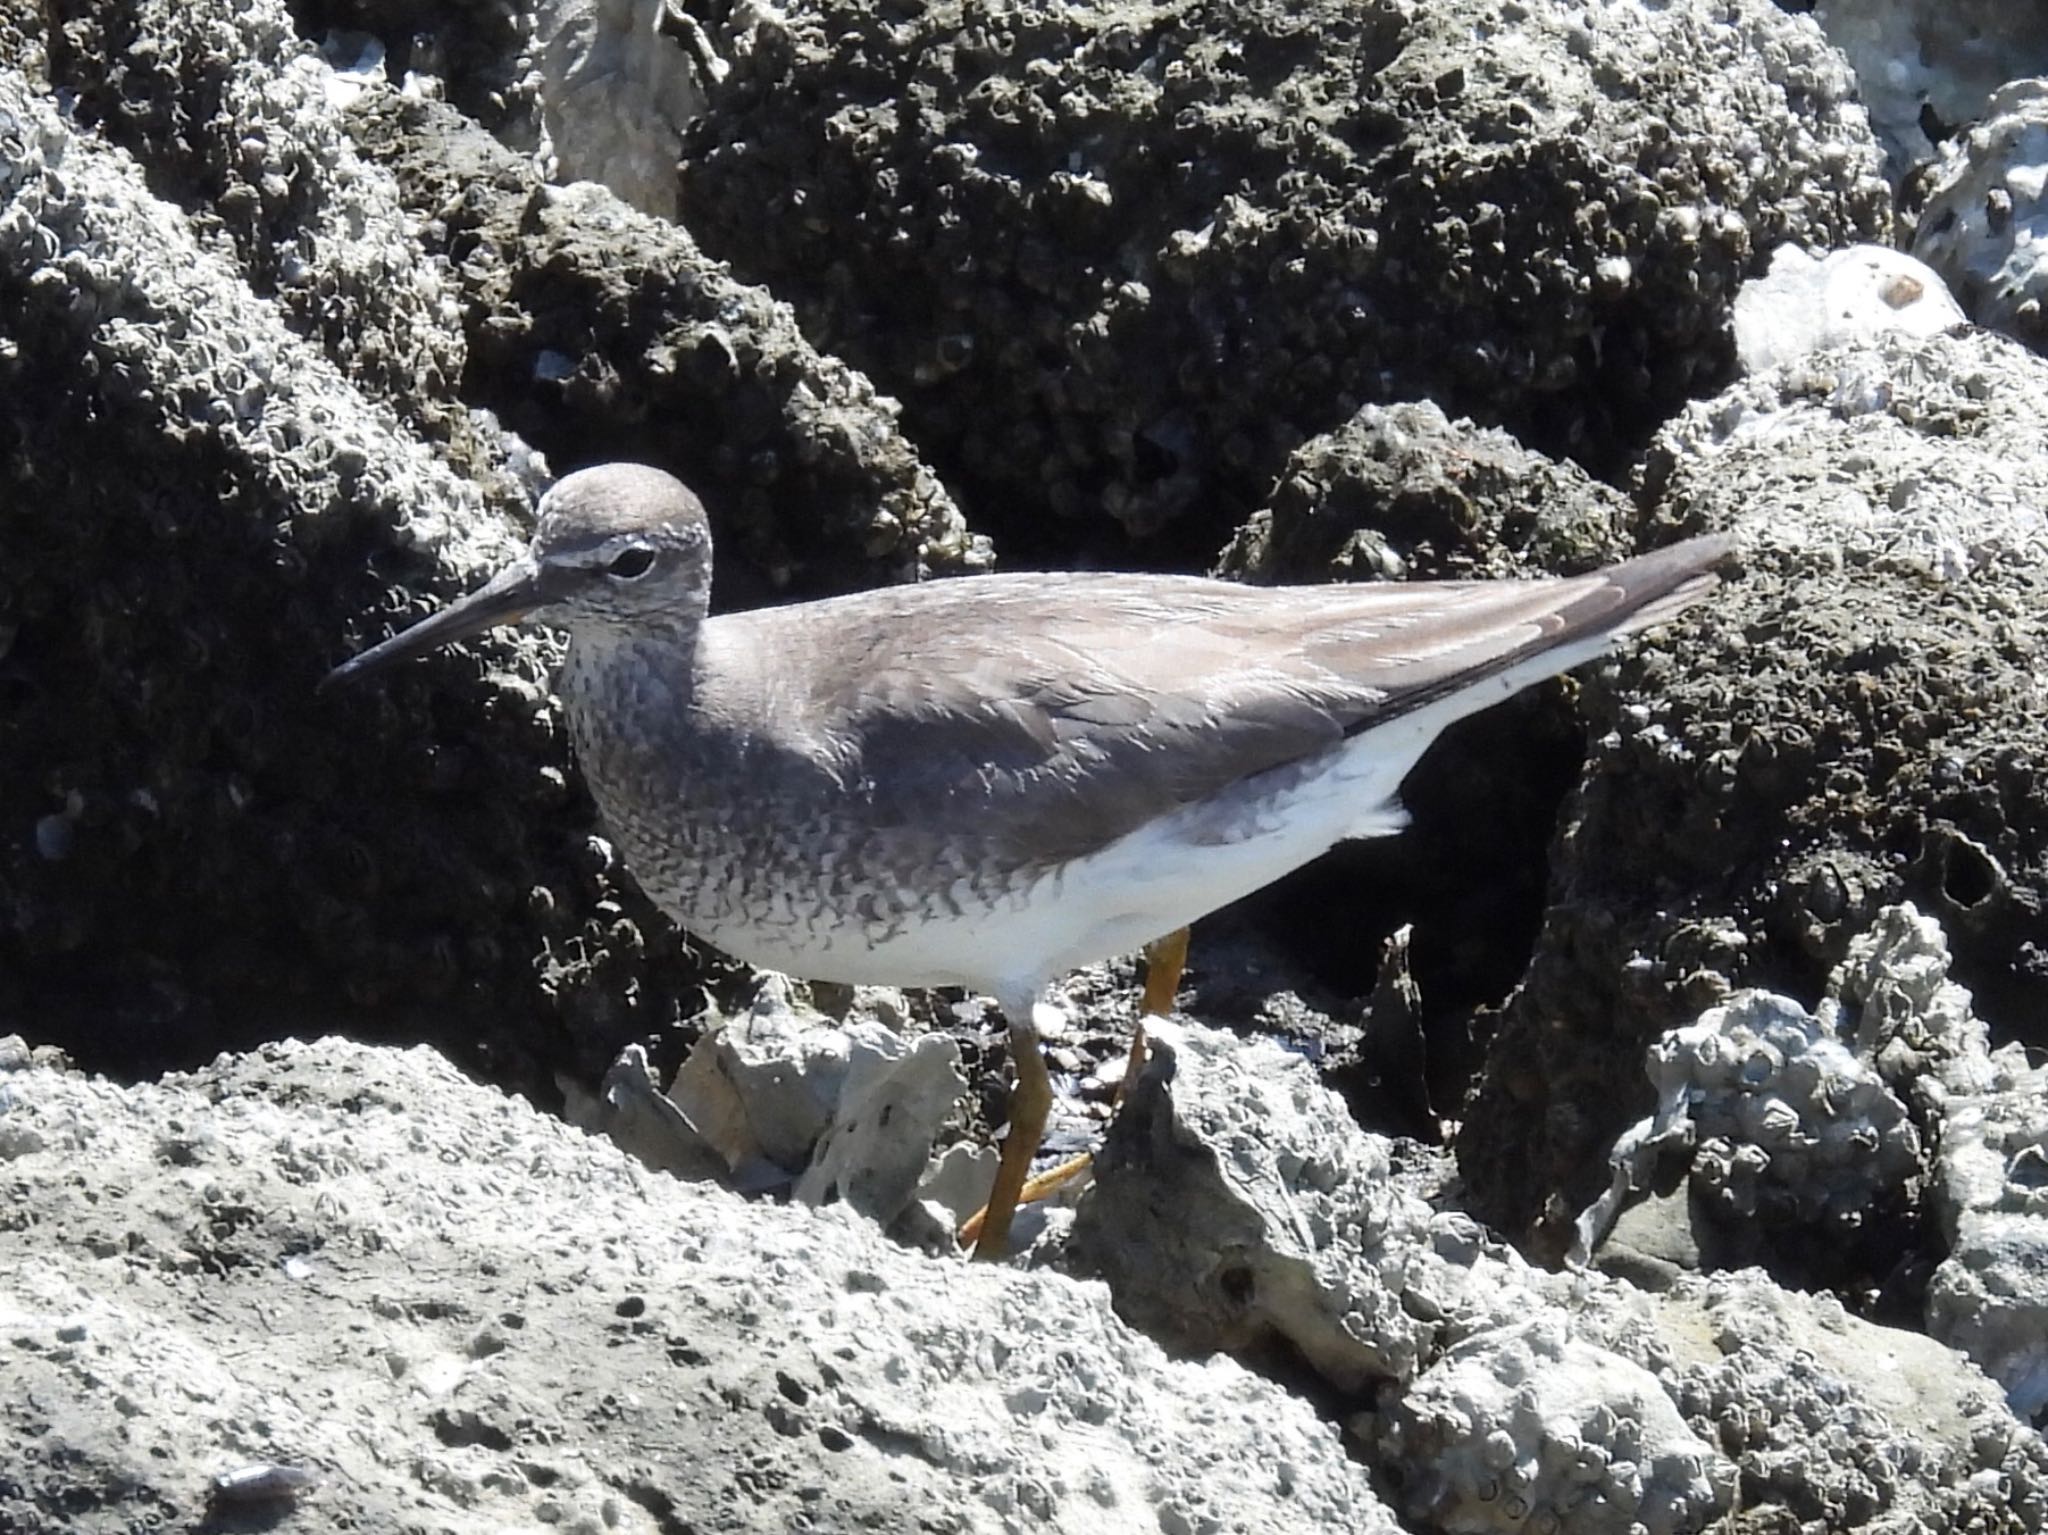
[{"x": 989, "y": 782}]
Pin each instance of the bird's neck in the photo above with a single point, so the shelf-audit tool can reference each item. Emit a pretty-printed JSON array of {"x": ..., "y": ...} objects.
[{"x": 620, "y": 687}]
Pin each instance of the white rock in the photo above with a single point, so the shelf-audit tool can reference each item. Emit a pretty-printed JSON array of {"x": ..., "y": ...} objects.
[
  {"x": 516, "y": 1326},
  {"x": 1804, "y": 304}
]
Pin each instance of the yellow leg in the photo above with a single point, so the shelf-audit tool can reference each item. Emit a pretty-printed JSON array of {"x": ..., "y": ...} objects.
[
  {"x": 1165, "y": 959},
  {"x": 1030, "y": 1103},
  {"x": 1164, "y": 962}
]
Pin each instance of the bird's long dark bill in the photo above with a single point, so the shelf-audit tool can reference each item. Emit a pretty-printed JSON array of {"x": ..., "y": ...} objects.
[{"x": 509, "y": 596}]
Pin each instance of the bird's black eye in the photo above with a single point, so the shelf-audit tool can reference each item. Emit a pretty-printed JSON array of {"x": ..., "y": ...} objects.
[{"x": 632, "y": 563}]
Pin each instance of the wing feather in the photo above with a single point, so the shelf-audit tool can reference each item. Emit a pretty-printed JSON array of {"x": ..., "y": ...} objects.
[{"x": 1076, "y": 708}]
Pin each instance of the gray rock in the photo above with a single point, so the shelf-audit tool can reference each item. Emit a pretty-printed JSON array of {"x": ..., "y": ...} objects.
[
  {"x": 617, "y": 89},
  {"x": 1988, "y": 1185},
  {"x": 1780, "y": 1121},
  {"x": 1986, "y": 213},
  {"x": 1236, "y": 1205},
  {"x": 1805, "y": 303},
  {"x": 1528, "y": 1427},
  {"x": 268, "y": 422},
  {"x": 631, "y": 1110},
  {"x": 1834, "y": 1423},
  {"x": 1941, "y": 57},
  {"x": 762, "y": 1085},
  {"x": 897, "y": 1094},
  {"x": 779, "y": 1098},
  {"x": 454, "y": 1312},
  {"x": 1853, "y": 722},
  {"x": 1122, "y": 260},
  {"x": 1402, "y": 492},
  {"x": 1989, "y": 1297},
  {"x": 843, "y": 1109},
  {"x": 1801, "y": 1120}
]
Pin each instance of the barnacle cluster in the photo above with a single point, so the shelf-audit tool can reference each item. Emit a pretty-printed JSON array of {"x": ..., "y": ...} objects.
[
  {"x": 1531, "y": 1429},
  {"x": 207, "y": 513},
  {"x": 1989, "y": 1182},
  {"x": 1786, "y": 1123},
  {"x": 1123, "y": 261}
]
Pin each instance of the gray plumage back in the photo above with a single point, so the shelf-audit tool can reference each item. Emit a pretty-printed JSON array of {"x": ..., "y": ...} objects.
[{"x": 1062, "y": 712}]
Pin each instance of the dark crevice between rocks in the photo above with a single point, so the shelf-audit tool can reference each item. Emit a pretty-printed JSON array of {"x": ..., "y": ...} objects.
[{"x": 470, "y": 46}]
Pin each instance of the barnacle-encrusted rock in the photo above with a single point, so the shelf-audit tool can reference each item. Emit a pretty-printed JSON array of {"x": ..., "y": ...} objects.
[
  {"x": 618, "y": 87},
  {"x": 232, "y": 100},
  {"x": 1986, "y": 215},
  {"x": 1988, "y": 1115},
  {"x": 1853, "y": 721},
  {"x": 1836, "y": 1424},
  {"x": 1124, "y": 259},
  {"x": 590, "y": 329},
  {"x": 1526, "y": 1427},
  {"x": 1402, "y": 492},
  {"x": 1806, "y": 302},
  {"x": 1802, "y": 1120},
  {"x": 1237, "y": 1205},
  {"x": 1931, "y": 66},
  {"x": 196, "y": 485},
  {"x": 462, "y": 1315},
  {"x": 1779, "y": 1121},
  {"x": 1182, "y": 1218}
]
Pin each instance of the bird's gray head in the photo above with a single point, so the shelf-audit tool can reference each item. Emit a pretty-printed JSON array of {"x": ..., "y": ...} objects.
[{"x": 618, "y": 548}]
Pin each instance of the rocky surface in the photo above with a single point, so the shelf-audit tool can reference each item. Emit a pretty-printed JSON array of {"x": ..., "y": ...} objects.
[
  {"x": 781, "y": 1098},
  {"x": 618, "y": 87},
  {"x": 1854, "y": 722},
  {"x": 255, "y": 426},
  {"x": 1805, "y": 304},
  {"x": 1809, "y": 1140},
  {"x": 458, "y": 1314},
  {"x": 1403, "y": 492},
  {"x": 1123, "y": 259},
  {"x": 1238, "y": 1206},
  {"x": 1986, "y": 212},
  {"x": 1784, "y": 1128},
  {"x": 1927, "y": 68},
  {"x": 1988, "y": 1109}
]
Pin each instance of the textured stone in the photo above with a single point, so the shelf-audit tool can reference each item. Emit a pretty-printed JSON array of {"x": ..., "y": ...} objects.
[
  {"x": 1797, "y": 1124},
  {"x": 1931, "y": 65},
  {"x": 1779, "y": 1121},
  {"x": 1986, "y": 214},
  {"x": 1848, "y": 296},
  {"x": 1121, "y": 260},
  {"x": 617, "y": 90},
  {"x": 246, "y": 437},
  {"x": 1988, "y": 1183},
  {"x": 1853, "y": 722},
  {"x": 459, "y": 1314},
  {"x": 1527, "y": 1427},
  {"x": 1237, "y": 1206},
  {"x": 832, "y": 1109},
  {"x": 1402, "y": 492}
]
